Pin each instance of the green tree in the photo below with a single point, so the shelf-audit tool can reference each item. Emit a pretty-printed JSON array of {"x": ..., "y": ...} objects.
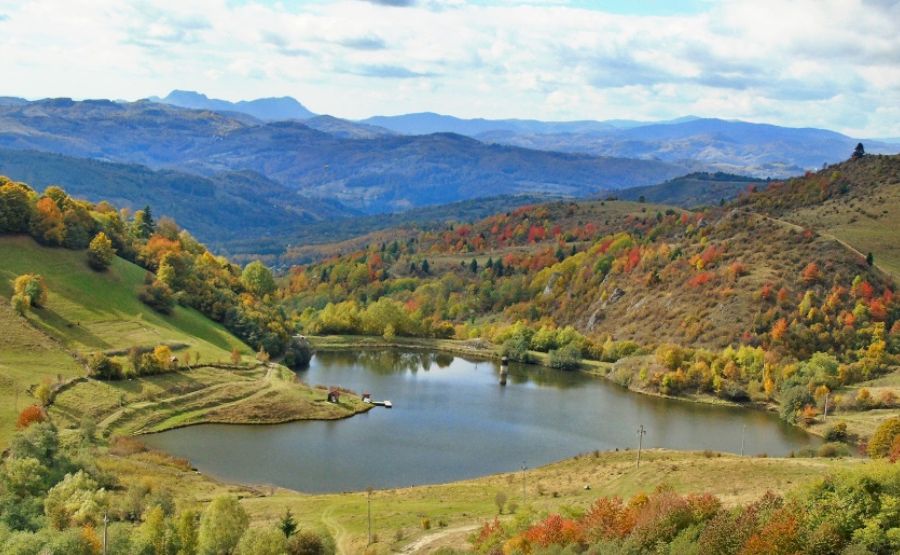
[
  {"x": 143, "y": 223},
  {"x": 221, "y": 526},
  {"x": 153, "y": 533},
  {"x": 186, "y": 530},
  {"x": 858, "y": 152},
  {"x": 870, "y": 259},
  {"x": 100, "y": 252},
  {"x": 262, "y": 541},
  {"x": 258, "y": 279},
  {"x": 287, "y": 524},
  {"x": 15, "y": 207},
  {"x": 75, "y": 501}
]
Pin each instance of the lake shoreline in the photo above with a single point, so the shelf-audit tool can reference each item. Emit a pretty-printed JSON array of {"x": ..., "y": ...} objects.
[{"x": 482, "y": 349}]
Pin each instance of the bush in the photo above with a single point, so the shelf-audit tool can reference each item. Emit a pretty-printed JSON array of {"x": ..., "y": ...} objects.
[
  {"x": 100, "y": 252},
  {"x": 833, "y": 449},
  {"x": 298, "y": 354},
  {"x": 566, "y": 358},
  {"x": 883, "y": 438},
  {"x": 30, "y": 415},
  {"x": 158, "y": 296},
  {"x": 792, "y": 401},
  {"x": 102, "y": 367},
  {"x": 30, "y": 290},
  {"x": 310, "y": 543},
  {"x": 516, "y": 348},
  {"x": 836, "y": 432}
]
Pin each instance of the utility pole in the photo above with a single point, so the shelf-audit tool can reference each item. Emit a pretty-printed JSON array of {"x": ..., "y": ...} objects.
[
  {"x": 369, "y": 503},
  {"x": 524, "y": 498},
  {"x": 743, "y": 431},
  {"x": 105, "y": 523},
  {"x": 641, "y": 432}
]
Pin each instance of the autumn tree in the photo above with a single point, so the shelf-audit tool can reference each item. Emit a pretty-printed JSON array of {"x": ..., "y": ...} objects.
[
  {"x": 47, "y": 224},
  {"x": 811, "y": 273},
  {"x": 100, "y": 252},
  {"x": 31, "y": 289},
  {"x": 30, "y": 415},
  {"x": 883, "y": 438}
]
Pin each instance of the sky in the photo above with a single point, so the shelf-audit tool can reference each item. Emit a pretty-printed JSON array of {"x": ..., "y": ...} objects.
[{"x": 806, "y": 63}]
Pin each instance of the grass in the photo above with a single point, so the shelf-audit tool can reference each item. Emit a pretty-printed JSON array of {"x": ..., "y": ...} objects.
[
  {"x": 461, "y": 506},
  {"x": 90, "y": 311},
  {"x": 263, "y": 395},
  {"x": 27, "y": 357},
  {"x": 863, "y": 423}
]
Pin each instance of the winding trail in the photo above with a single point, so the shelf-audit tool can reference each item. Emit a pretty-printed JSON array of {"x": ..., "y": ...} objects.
[
  {"x": 338, "y": 531},
  {"x": 425, "y": 542}
]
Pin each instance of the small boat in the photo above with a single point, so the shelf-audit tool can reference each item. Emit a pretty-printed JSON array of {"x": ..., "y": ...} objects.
[{"x": 386, "y": 404}]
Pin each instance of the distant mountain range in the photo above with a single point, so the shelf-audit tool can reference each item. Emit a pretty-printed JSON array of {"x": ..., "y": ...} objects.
[
  {"x": 265, "y": 109},
  {"x": 760, "y": 150},
  {"x": 377, "y": 173}
]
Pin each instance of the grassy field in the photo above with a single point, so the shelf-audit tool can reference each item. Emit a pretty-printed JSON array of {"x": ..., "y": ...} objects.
[
  {"x": 267, "y": 394},
  {"x": 90, "y": 311},
  {"x": 27, "y": 357},
  {"x": 454, "y": 510},
  {"x": 863, "y": 222},
  {"x": 863, "y": 423}
]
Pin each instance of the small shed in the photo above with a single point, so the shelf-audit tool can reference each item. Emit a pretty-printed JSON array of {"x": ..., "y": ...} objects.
[{"x": 334, "y": 396}]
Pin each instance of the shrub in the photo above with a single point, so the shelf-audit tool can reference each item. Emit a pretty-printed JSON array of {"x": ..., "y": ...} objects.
[
  {"x": 792, "y": 401},
  {"x": 836, "y": 432},
  {"x": 516, "y": 348},
  {"x": 298, "y": 354},
  {"x": 102, "y": 367},
  {"x": 310, "y": 543},
  {"x": 158, "y": 296},
  {"x": 30, "y": 290},
  {"x": 30, "y": 415},
  {"x": 883, "y": 438},
  {"x": 100, "y": 252},
  {"x": 565, "y": 358},
  {"x": 833, "y": 449}
]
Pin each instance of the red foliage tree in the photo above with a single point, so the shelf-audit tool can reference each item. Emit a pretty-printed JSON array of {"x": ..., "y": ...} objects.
[
  {"x": 29, "y": 416},
  {"x": 811, "y": 273}
]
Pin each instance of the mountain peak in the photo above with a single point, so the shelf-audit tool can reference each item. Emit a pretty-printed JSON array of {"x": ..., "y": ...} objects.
[{"x": 266, "y": 109}]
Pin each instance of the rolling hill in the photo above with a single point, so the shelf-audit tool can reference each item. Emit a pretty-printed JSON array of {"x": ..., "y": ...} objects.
[
  {"x": 86, "y": 312},
  {"x": 856, "y": 202},
  {"x": 692, "y": 190},
  {"x": 217, "y": 209},
  {"x": 380, "y": 174}
]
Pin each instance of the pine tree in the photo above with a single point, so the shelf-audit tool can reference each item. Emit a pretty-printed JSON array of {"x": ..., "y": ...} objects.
[{"x": 859, "y": 151}]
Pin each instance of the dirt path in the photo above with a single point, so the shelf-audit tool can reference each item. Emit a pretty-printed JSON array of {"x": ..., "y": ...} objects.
[
  {"x": 337, "y": 531},
  {"x": 449, "y": 537}
]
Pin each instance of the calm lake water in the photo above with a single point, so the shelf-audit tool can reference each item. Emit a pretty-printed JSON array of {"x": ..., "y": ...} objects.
[{"x": 451, "y": 420}]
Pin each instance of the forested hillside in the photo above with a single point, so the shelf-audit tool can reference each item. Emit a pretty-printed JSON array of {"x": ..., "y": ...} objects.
[{"x": 732, "y": 302}]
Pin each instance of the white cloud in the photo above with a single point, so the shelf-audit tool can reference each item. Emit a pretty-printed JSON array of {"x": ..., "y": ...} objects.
[{"x": 823, "y": 63}]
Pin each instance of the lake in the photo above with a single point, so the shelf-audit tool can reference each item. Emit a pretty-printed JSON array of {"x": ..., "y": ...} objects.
[{"x": 451, "y": 420}]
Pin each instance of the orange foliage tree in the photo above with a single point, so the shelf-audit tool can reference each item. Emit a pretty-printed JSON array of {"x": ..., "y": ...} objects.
[{"x": 29, "y": 416}]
